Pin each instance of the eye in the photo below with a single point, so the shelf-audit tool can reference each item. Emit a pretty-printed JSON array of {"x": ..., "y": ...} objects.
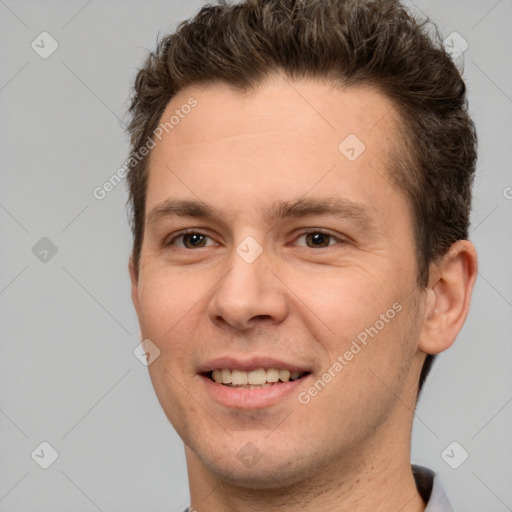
[
  {"x": 190, "y": 240},
  {"x": 319, "y": 239}
]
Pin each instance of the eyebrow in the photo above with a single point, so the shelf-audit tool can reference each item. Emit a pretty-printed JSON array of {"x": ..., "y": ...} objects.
[{"x": 296, "y": 208}]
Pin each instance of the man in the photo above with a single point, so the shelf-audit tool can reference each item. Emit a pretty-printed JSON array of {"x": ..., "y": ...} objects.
[{"x": 300, "y": 189}]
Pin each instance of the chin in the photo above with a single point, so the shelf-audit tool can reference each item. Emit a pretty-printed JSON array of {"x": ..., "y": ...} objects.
[
  {"x": 278, "y": 470},
  {"x": 261, "y": 478}
]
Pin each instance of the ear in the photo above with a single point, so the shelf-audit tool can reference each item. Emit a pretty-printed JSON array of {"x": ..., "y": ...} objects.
[
  {"x": 135, "y": 284},
  {"x": 448, "y": 297}
]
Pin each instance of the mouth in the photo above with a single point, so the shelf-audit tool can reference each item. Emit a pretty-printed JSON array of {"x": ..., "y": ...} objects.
[
  {"x": 259, "y": 382},
  {"x": 258, "y": 378}
]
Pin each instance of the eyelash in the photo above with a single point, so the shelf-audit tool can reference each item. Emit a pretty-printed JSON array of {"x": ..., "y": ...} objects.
[{"x": 194, "y": 232}]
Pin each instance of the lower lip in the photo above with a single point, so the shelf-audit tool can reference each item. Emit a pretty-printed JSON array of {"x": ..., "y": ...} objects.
[{"x": 241, "y": 398}]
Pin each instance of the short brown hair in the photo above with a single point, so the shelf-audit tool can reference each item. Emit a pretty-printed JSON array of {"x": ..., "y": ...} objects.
[{"x": 375, "y": 43}]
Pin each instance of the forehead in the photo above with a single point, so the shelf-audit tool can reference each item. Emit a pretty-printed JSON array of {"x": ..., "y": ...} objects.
[
  {"x": 282, "y": 137},
  {"x": 278, "y": 104}
]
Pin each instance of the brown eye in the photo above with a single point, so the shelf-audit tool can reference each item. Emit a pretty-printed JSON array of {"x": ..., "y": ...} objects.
[
  {"x": 190, "y": 240},
  {"x": 194, "y": 239},
  {"x": 319, "y": 239}
]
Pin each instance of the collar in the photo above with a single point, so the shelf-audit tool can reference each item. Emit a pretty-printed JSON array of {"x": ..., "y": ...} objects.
[{"x": 431, "y": 490}]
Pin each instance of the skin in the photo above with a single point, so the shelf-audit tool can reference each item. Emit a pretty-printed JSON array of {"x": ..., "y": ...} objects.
[{"x": 349, "y": 447}]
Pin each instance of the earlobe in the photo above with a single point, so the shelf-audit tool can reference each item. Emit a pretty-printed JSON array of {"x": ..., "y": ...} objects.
[{"x": 448, "y": 297}]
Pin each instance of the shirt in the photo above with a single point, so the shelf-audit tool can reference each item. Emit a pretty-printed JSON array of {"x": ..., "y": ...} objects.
[{"x": 430, "y": 488}]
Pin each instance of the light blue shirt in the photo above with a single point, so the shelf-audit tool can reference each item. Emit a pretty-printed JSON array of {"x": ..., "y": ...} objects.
[{"x": 430, "y": 488}]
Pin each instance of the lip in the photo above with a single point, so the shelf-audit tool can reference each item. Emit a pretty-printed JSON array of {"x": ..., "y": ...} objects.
[
  {"x": 249, "y": 364},
  {"x": 234, "y": 398}
]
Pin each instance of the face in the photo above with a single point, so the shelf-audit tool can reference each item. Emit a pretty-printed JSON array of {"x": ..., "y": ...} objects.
[{"x": 277, "y": 246}]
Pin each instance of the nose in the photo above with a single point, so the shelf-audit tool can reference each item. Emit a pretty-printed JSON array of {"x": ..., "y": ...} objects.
[{"x": 248, "y": 294}]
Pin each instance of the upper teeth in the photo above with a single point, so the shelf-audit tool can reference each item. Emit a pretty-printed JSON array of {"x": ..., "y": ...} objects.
[{"x": 254, "y": 377}]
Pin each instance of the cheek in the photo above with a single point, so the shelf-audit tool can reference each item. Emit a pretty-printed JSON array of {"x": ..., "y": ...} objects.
[
  {"x": 165, "y": 310},
  {"x": 172, "y": 309},
  {"x": 165, "y": 300},
  {"x": 347, "y": 302},
  {"x": 369, "y": 364},
  {"x": 368, "y": 321}
]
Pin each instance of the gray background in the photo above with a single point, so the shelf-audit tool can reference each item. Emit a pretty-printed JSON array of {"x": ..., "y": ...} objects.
[{"x": 68, "y": 375}]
